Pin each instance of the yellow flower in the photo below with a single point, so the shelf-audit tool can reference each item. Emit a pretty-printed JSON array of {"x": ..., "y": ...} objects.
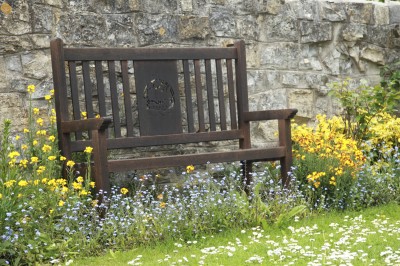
[
  {"x": 35, "y": 142},
  {"x": 41, "y": 132},
  {"x": 88, "y": 150},
  {"x": 39, "y": 121},
  {"x": 22, "y": 183},
  {"x": 36, "y": 182},
  {"x": 26, "y": 130},
  {"x": 84, "y": 115},
  {"x": 62, "y": 158},
  {"x": 97, "y": 115},
  {"x": 52, "y": 92},
  {"x": 41, "y": 169},
  {"x": 51, "y": 211},
  {"x": 92, "y": 184},
  {"x": 51, "y": 158},
  {"x": 47, "y": 97},
  {"x": 77, "y": 186},
  {"x": 94, "y": 203},
  {"x": 46, "y": 148},
  {"x": 79, "y": 179},
  {"x": 1, "y": 196},
  {"x": 31, "y": 88},
  {"x": 17, "y": 137},
  {"x": 34, "y": 160},
  {"x": 83, "y": 192},
  {"x": 70, "y": 163},
  {"x": 36, "y": 111},
  {"x": 24, "y": 147},
  {"x": 189, "y": 169},
  {"x": 13, "y": 154},
  {"x": 52, "y": 138},
  {"x": 24, "y": 163},
  {"x": 64, "y": 189},
  {"x": 124, "y": 191},
  {"x": 162, "y": 204},
  {"x": 160, "y": 196},
  {"x": 9, "y": 183},
  {"x": 61, "y": 203},
  {"x": 19, "y": 195}
]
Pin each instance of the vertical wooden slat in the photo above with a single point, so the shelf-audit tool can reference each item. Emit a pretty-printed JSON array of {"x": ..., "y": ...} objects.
[
  {"x": 199, "y": 95},
  {"x": 231, "y": 92},
  {"x": 210, "y": 95},
  {"x": 87, "y": 87},
  {"x": 60, "y": 85},
  {"x": 127, "y": 98},
  {"x": 188, "y": 95},
  {"x": 221, "y": 99},
  {"x": 74, "y": 95},
  {"x": 100, "y": 89},
  {"x": 114, "y": 99}
]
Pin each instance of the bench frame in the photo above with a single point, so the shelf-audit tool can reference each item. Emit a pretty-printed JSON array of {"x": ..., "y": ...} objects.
[{"x": 98, "y": 128}]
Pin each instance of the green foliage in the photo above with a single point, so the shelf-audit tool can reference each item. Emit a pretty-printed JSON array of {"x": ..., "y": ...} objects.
[{"x": 362, "y": 104}]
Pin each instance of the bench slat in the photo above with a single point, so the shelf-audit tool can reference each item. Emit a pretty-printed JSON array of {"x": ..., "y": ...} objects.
[
  {"x": 127, "y": 98},
  {"x": 148, "y": 53},
  {"x": 76, "y": 110},
  {"x": 188, "y": 96},
  {"x": 145, "y": 141},
  {"x": 114, "y": 99},
  {"x": 210, "y": 95},
  {"x": 199, "y": 95},
  {"x": 179, "y": 160},
  {"x": 231, "y": 92},
  {"x": 221, "y": 98}
]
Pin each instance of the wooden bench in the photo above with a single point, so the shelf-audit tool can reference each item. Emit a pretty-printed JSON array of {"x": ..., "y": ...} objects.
[{"x": 145, "y": 97}]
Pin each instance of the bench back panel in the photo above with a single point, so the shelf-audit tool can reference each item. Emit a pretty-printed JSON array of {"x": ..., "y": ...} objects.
[{"x": 156, "y": 93}]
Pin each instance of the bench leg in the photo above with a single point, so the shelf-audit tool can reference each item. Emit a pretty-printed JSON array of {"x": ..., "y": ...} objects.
[
  {"x": 247, "y": 169},
  {"x": 285, "y": 140},
  {"x": 100, "y": 171}
]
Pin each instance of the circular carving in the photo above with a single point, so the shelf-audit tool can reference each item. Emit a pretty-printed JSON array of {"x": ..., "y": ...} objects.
[{"x": 159, "y": 95}]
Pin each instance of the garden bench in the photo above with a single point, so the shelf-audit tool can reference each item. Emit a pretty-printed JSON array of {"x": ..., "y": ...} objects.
[{"x": 147, "y": 97}]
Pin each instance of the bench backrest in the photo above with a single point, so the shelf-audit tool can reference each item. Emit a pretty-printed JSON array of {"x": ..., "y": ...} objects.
[{"x": 155, "y": 96}]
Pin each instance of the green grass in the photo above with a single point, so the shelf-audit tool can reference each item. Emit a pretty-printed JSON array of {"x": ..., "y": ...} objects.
[{"x": 367, "y": 237}]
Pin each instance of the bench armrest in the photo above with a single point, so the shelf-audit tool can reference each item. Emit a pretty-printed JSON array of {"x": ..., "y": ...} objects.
[
  {"x": 281, "y": 114},
  {"x": 85, "y": 124}
]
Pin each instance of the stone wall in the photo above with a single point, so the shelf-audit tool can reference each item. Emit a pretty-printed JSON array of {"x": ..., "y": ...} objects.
[{"x": 294, "y": 48}]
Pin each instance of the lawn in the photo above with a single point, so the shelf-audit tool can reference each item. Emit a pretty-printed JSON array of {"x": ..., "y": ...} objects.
[{"x": 367, "y": 237}]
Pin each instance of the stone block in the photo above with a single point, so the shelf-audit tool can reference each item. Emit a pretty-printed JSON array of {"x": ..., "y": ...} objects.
[
  {"x": 14, "y": 44},
  {"x": 268, "y": 100},
  {"x": 379, "y": 35},
  {"x": 279, "y": 55},
  {"x": 159, "y": 6},
  {"x": 40, "y": 41},
  {"x": 158, "y": 28},
  {"x": 56, "y": 3},
  {"x": 353, "y": 32},
  {"x": 222, "y": 22},
  {"x": 332, "y": 11},
  {"x": 260, "y": 81},
  {"x": 331, "y": 60},
  {"x": 374, "y": 54},
  {"x": 248, "y": 28},
  {"x": 187, "y": 5},
  {"x": 42, "y": 19},
  {"x": 309, "y": 58},
  {"x": 13, "y": 64},
  {"x": 278, "y": 28},
  {"x": 381, "y": 14},
  {"x": 191, "y": 27},
  {"x": 394, "y": 13},
  {"x": 272, "y": 7},
  {"x": 82, "y": 29},
  {"x": 290, "y": 79},
  {"x": 36, "y": 65},
  {"x": 315, "y": 31},
  {"x": 360, "y": 12},
  {"x": 5, "y": 81},
  {"x": 303, "y": 100},
  {"x": 12, "y": 107},
  {"x": 121, "y": 32}
]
